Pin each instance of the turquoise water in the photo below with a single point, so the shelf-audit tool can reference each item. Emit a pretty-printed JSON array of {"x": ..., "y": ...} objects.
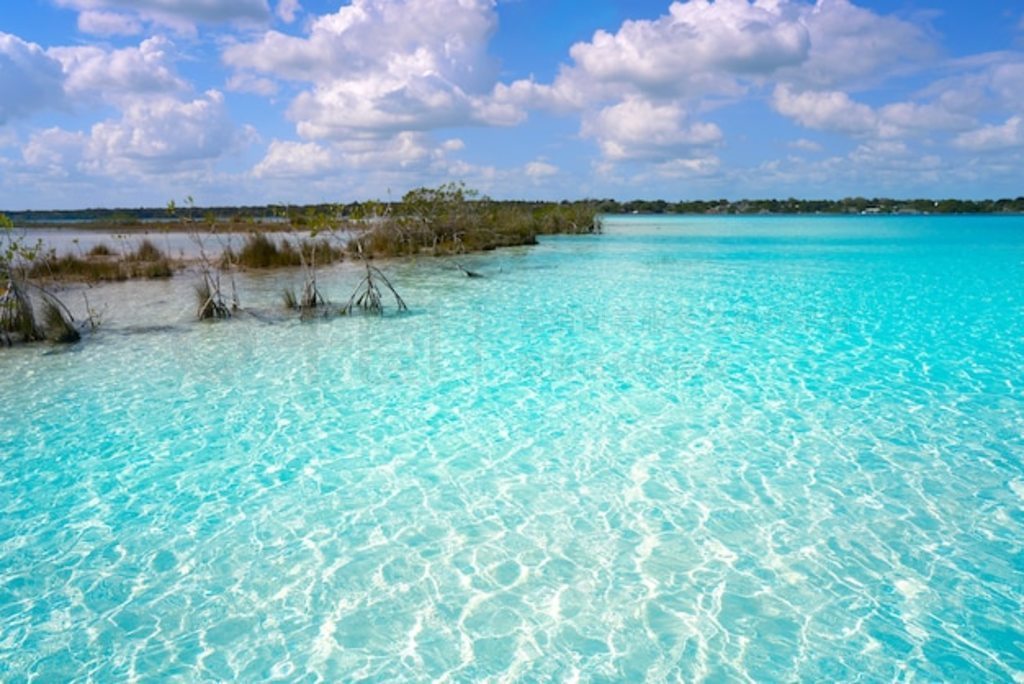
[{"x": 721, "y": 449}]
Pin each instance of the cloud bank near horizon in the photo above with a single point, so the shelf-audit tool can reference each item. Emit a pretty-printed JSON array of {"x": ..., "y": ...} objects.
[{"x": 239, "y": 100}]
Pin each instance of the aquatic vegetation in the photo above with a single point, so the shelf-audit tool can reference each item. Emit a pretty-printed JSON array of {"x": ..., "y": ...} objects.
[
  {"x": 210, "y": 302},
  {"x": 446, "y": 220},
  {"x": 58, "y": 324},
  {"x": 49, "y": 266},
  {"x": 146, "y": 251},
  {"x": 153, "y": 270},
  {"x": 17, "y": 317},
  {"x": 146, "y": 262},
  {"x": 452, "y": 219},
  {"x": 368, "y": 296},
  {"x": 289, "y": 299},
  {"x": 308, "y": 302},
  {"x": 17, "y": 310},
  {"x": 261, "y": 251}
]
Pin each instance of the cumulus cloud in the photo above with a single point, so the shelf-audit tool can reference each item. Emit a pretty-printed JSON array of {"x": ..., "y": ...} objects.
[
  {"x": 250, "y": 83},
  {"x": 287, "y": 9},
  {"x": 981, "y": 86},
  {"x": 684, "y": 168},
  {"x": 995, "y": 137},
  {"x": 152, "y": 136},
  {"x": 639, "y": 129},
  {"x": 285, "y": 159},
  {"x": 54, "y": 151},
  {"x": 705, "y": 48},
  {"x": 118, "y": 76},
  {"x": 376, "y": 73},
  {"x": 701, "y": 50},
  {"x": 407, "y": 151},
  {"x": 540, "y": 169},
  {"x": 640, "y": 90},
  {"x": 828, "y": 110},
  {"x": 182, "y": 14},
  {"x": 164, "y": 131},
  {"x": 837, "y": 112},
  {"x": 100, "y": 23},
  {"x": 683, "y": 51},
  {"x": 30, "y": 79},
  {"x": 850, "y": 45},
  {"x": 160, "y": 126}
]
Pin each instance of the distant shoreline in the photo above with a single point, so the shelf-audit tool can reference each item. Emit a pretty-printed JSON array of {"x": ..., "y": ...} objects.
[
  {"x": 274, "y": 217},
  {"x": 102, "y": 228}
]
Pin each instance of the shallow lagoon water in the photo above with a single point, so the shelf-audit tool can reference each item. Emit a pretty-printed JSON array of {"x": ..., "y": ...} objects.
[
  {"x": 696, "y": 448},
  {"x": 177, "y": 244}
]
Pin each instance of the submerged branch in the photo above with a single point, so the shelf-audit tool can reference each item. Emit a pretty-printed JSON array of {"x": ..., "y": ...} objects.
[{"x": 368, "y": 296}]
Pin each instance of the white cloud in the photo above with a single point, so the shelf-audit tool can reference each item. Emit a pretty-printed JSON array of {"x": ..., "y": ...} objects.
[
  {"x": 406, "y": 150},
  {"x": 639, "y": 129},
  {"x": 248, "y": 83},
  {"x": 153, "y": 136},
  {"x": 100, "y": 23},
  {"x": 287, "y": 9},
  {"x": 118, "y": 76},
  {"x": 163, "y": 132},
  {"x": 30, "y": 79},
  {"x": 697, "y": 49},
  {"x": 409, "y": 152},
  {"x": 286, "y": 159},
  {"x": 836, "y": 111},
  {"x": 850, "y": 45},
  {"x": 685, "y": 168},
  {"x": 828, "y": 110},
  {"x": 873, "y": 168},
  {"x": 701, "y": 50},
  {"x": 159, "y": 129},
  {"x": 678, "y": 52},
  {"x": 180, "y": 14},
  {"x": 377, "y": 72},
  {"x": 806, "y": 145},
  {"x": 54, "y": 151},
  {"x": 540, "y": 169},
  {"x": 1006, "y": 79},
  {"x": 996, "y": 137},
  {"x": 902, "y": 118}
]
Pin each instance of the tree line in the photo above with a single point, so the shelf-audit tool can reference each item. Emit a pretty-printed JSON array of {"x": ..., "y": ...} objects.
[{"x": 299, "y": 215}]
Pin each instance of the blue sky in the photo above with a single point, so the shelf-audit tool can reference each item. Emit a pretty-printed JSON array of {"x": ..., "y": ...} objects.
[{"x": 135, "y": 102}]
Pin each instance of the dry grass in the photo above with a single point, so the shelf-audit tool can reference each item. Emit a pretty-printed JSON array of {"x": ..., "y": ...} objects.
[
  {"x": 260, "y": 251},
  {"x": 146, "y": 251},
  {"x": 100, "y": 265}
]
